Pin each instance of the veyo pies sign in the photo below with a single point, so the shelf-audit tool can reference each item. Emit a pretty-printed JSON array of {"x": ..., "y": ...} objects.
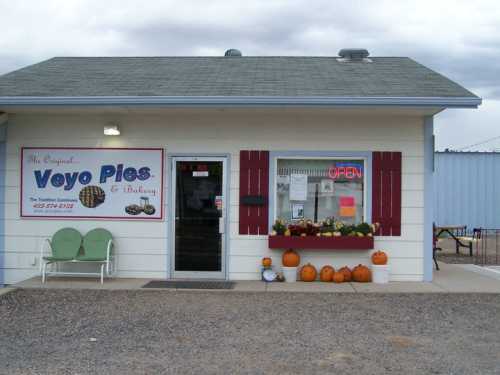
[{"x": 101, "y": 183}]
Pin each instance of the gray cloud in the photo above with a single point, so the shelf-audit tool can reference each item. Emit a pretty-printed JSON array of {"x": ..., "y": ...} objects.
[{"x": 458, "y": 39}]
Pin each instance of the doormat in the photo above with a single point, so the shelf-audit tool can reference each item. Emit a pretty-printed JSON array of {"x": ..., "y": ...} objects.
[{"x": 170, "y": 284}]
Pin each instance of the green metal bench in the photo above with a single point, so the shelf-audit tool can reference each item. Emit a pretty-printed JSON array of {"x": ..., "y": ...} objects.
[{"x": 67, "y": 246}]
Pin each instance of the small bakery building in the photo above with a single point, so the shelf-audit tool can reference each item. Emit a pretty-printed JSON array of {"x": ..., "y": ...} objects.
[{"x": 188, "y": 161}]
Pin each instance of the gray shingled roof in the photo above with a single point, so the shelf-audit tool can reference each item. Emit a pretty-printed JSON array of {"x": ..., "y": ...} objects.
[{"x": 228, "y": 76}]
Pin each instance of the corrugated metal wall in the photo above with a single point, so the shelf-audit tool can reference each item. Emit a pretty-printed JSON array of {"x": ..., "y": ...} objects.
[{"x": 467, "y": 189}]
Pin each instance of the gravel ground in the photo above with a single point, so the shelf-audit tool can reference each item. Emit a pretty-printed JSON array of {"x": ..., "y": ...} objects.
[{"x": 153, "y": 332}]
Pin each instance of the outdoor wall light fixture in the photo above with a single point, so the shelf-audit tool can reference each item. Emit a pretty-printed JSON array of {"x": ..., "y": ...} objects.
[{"x": 111, "y": 129}]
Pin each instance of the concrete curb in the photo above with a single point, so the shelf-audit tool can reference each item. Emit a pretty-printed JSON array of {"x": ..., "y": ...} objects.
[{"x": 6, "y": 290}]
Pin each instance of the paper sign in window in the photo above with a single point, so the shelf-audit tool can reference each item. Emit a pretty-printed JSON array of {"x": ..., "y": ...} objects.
[
  {"x": 327, "y": 187},
  {"x": 218, "y": 202},
  {"x": 200, "y": 173},
  {"x": 297, "y": 211},
  {"x": 347, "y": 211},
  {"x": 346, "y": 201},
  {"x": 298, "y": 187}
]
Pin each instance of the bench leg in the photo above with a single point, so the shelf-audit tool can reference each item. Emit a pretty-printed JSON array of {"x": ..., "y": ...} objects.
[
  {"x": 434, "y": 258},
  {"x": 470, "y": 249},
  {"x": 109, "y": 268},
  {"x": 102, "y": 274},
  {"x": 44, "y": 267}
]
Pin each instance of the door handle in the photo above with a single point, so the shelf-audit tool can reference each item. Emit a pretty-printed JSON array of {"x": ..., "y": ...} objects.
[{"x": 222, "y": 225}]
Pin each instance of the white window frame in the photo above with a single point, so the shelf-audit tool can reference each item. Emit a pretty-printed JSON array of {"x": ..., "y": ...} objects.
[{"x": 365, "y": 156}]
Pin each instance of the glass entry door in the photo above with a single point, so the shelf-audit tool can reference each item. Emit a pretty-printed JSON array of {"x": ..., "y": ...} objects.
[{"x": 199, "y": 221}]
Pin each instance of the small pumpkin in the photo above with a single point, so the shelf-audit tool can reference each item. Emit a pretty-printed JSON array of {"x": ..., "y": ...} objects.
[
  {"x": 338, "y": 277},
  {"x": 290, "y": 258},
  {"x": 308, "y": 273},
  {"x": 346, "y": 271},
  {"x": 266, "y": 262},
  {"x": 379, "y": 258},
  {"x": 361, "y": 274},
  {"x": 326, "y": 273}
]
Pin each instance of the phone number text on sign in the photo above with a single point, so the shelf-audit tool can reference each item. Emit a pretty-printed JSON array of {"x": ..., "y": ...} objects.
[
  {"x": 111, "y": 183},
  {"x": 53, "y": 205}
]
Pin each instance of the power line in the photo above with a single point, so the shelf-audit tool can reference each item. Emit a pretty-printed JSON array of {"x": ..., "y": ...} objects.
[{"x": 479, "y": 143}]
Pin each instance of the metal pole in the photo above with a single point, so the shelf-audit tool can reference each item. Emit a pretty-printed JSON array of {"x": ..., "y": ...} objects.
[{"x": 316, "y": 199}]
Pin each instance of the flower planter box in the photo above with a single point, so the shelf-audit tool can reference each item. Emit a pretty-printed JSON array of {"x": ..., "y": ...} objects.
[{"x": 314, "y": 242}]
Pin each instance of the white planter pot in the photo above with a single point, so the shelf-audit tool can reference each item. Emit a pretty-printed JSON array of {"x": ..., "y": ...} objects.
[
  {"x": 380, "y": 274},
  {"x": 290, "y": 274}
]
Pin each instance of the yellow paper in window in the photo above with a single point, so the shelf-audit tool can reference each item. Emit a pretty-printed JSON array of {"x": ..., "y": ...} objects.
[{"x": 346, "y": 211}]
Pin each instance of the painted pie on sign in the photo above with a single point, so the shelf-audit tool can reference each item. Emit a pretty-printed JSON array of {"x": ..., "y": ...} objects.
[{"x": 92, "y": 196}]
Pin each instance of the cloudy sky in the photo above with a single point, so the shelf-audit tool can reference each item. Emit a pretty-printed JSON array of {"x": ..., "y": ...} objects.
[{"x": 460, "y": 39}]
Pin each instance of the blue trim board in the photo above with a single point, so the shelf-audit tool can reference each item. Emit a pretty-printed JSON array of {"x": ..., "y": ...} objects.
[
  {"x": 428, "y": 195},
  {"x": 367, "y": 155},
  {"x": 2, "y": 212},
  {"x": 244, "y": 101},
  {"x": 169, "y": 216}
]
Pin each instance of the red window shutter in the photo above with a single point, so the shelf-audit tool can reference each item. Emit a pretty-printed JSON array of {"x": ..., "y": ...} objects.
[
  {"x": 386, "y": 192},
  {"x": 254, "y": 192}
]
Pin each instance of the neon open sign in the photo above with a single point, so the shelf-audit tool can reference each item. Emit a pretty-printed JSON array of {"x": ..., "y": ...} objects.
[{"x": 347, "y": 171}]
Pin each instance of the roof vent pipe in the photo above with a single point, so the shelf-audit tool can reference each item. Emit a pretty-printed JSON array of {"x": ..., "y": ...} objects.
[
  {"x": 356, "y": 54},
  {"x": 232, "y": 52}
]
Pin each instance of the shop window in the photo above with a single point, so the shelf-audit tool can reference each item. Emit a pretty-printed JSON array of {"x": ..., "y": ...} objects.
[{"x": 319, "y": 188}]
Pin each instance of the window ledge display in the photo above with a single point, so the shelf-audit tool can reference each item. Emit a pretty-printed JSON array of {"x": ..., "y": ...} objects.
[
  {"x": 327, "y": 234},
  {"x": 321, "y": 242}
]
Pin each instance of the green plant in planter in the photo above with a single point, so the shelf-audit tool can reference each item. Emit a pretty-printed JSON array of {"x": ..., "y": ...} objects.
[
  {"x": 279, "y": 227},
  {"x": 327, "y": 225},
  {"x": 328, "y": 222},
  {"x": 338, "y": 225},
  {"x": 347, "y": 230},
  {"x": 364, "y": 228}
]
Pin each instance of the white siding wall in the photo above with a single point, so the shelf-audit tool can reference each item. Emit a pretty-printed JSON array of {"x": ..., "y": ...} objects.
[{"x": 142, "y": 246}]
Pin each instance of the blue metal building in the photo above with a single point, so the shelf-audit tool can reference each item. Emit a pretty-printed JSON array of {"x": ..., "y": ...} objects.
[{"x": 467, "y": 189}]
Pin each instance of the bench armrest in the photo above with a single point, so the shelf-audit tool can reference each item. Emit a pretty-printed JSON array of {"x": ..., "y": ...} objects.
[
  {"x": 42, "y": 251},
  {"x": 109, "y": 250},
  {"x": 108, "y": 256}
]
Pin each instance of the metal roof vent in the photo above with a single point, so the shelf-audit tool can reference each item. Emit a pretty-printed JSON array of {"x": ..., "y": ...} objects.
[
  {"x": 354, "y": 54},
  {"x": 233, "y": 52}
]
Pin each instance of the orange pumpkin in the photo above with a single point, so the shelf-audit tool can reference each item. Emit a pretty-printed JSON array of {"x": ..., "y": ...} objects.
[
  {"x": 379, "y": 258},
  {"x": 346, "y": 271},
  {"x": 308, "y": 273},
  {"x": 290, "y": 258},
  {"x": 361, "y": 274},
  {"x": 338, "y": 277},
  {"x": 266, "y": 262},
  {"x": 326, "y": 273}
]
